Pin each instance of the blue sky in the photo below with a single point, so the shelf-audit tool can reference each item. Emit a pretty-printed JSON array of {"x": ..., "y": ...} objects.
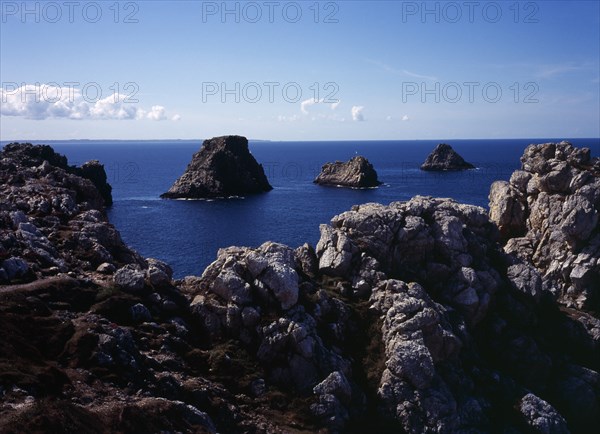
[{"x": 300, "y": 70}]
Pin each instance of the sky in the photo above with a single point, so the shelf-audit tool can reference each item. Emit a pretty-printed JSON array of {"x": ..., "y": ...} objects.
[{"x": 299, "y": 70}]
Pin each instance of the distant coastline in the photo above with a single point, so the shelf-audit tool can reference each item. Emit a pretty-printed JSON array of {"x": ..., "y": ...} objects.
[{"x": 251, "y": 140}]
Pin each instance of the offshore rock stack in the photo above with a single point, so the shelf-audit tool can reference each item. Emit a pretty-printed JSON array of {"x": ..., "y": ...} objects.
[
  {"x": 443, "y": 159},
  {"x": 223, "y": 167},
  {"x": 355, "y": 173}
]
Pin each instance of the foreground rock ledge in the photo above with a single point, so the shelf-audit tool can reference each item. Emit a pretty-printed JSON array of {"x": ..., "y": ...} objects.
[
  {"x": 355, "y": 173},
  {"x": 444, "y": 158},
  {"x": 223, "y": 167}
]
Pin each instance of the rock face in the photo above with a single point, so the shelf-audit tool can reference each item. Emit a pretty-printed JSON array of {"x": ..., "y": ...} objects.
[
  {"x": 414, "y": 317},
  {"x": 223, "y": 167},
  {"x": 94, "y": 171},
  {"x": 548, "y": 215},
  {"x": 459, "y": 337},
  {"x": 444, "y": 158},
  {"x": 44, "y": 155},
  {"x": 51, "y": 218},
  {"x": 356, "y": 173},
  {"x": 255, "y": 296},
  {"x": 94, "y": 338},
  {"x": 464, "y": 329}
]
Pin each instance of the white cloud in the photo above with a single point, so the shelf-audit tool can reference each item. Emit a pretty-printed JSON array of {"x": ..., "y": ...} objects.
[
  {"x": 357, "y": 113},
  {"x": 43, "y": 101},
  {"x": 405, "y": 118},
  {"x": 307, "y": 103},
  {"x": 157, "y": 113},
  {"x": 319, "y": 112},
  {"x": 388, "y": 118},
  {"x": 176, "y": 117},
  {"x": 111, "y": 107}
]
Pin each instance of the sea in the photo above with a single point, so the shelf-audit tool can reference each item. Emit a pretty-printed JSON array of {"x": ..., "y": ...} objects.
[{"x": 188, "y": 233}]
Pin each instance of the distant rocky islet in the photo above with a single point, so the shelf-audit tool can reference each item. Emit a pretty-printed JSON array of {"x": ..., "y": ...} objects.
[
  {"x": 224, "y": 167},
  {"x": 443, "y": 159},
  {"x": 355, "y": 173}
]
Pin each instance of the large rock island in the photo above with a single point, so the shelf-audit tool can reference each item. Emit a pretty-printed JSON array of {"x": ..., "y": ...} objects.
[
  {"x": 223, "y": 167},
  {"x": 355, "y": 173},
  {"x": 443, "y": 159}
]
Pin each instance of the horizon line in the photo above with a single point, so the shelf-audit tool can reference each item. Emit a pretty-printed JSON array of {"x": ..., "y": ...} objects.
[{"x": 293, "y": 140}]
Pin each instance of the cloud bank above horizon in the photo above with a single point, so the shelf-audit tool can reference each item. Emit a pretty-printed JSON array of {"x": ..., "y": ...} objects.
[{"x": 408, "y": 73}]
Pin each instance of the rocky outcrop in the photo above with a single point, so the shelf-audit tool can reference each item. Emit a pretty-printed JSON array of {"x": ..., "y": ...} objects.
[
  {"x": 464, "y": 326},
  {"x": 46, "y": 159},
  {"x": 223, "y": 167},
  {"x": 259, "y": 297},
  {"x": 411, "y": 317},
  {"x": 51, "y": 219},
  {"x": 94, "y": 171},
  {"x": 444, "y": 158},
  {"x": 355, "y": 173},
  {"x": 548, "y": 215},
  {"x": 96, "y": 338}
]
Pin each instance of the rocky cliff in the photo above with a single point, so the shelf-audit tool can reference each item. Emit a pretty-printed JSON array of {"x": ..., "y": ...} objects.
[
  {"x": 548, "y": 216},
  {"x": 95, "y": 338},
  {"x": 355, "y": 173},
  {"x": 29, "y": 155},
  {"x": 412, "y": 317},
  {"x": 223, "y": 167},
  {"x": 443, "y": 158}
]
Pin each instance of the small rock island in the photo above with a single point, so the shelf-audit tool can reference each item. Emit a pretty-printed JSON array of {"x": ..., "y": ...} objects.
[
  {"x": 444, "y": 159},
  {"x": 223, "y": 167},
  {"x": 356, "y": 173}
]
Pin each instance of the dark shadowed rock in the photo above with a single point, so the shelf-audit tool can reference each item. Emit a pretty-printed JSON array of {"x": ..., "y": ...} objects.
[
  {"x": 223, "y": 167},
  {"x": 94, "y": 171},
  {"x": 31, "y": 155},
  {"x": 357, "y": 173},
  {"x": 444, "y": 158},
  {"x": 47, "y": 160}
]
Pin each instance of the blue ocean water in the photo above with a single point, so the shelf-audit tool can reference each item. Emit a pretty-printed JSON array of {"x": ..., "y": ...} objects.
[{"x": 187, "y": 234}]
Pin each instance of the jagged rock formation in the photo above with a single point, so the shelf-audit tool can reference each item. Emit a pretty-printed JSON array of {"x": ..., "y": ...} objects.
[
  {"x": 405, "y": 318},
  {"x": 223, "y": 167},
  {"x": 444, "y": 158},
  {"x": 464, "y": 342},
  {"x": 51, "y": 217},
  {"x": 94, "y": 171},
  {"x": 465, "y": 332},
  {"x": 96, "y": 338},
  {"x": 263, "y": 298},
  {"x": 29, "y": 155},
  {"x": 356, "y": 173},
  {"x": 548, "y": 216}
]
